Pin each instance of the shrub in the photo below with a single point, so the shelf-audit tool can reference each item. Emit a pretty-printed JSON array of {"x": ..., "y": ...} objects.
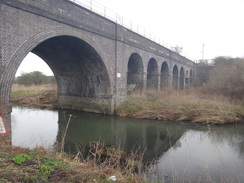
[
  {"x": 227, "y": 77},
  {"x": 34, "y": 78}
]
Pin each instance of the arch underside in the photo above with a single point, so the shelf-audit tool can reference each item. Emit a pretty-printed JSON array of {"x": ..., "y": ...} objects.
[
  {"x": 182, "y": 78},
  {"x": 175, "y": 77},
  {"x": 135, "y": 73},
  {"x": 164, "y": 76},
  {"x": 152, "y": 74},
  {"x": 82, "y": 78}
]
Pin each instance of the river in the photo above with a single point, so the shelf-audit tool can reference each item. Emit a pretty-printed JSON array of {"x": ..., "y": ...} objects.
[{"x": 181, "y": 152}]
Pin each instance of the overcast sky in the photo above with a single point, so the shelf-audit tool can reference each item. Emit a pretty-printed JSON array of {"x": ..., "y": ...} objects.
[{"x": 218, "y": 24}]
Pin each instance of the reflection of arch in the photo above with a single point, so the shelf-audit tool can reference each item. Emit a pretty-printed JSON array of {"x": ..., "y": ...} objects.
[
  {"x": 182, "y": 78},
  {"x": 152, "y": 74},
  {"x": 134, "y": 137},
  {"x": 164, "y": 75},
  {"x": 151, "y": 137},
  {"x": 175, "y": 77},
  {"x": 135, "y": 72}
]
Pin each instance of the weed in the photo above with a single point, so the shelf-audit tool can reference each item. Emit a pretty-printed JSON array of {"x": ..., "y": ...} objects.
[
  {"x": 44, "y": 169},
  {"x": 50, "y": 162},
  {"x": 53, "y": 162},
  {"x": 20, "y": 158},
  {"x": 68, "y": 121}
]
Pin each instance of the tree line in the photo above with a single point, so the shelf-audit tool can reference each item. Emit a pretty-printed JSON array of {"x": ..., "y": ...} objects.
[
  {"x": 225, "y": 76},
  {"x": 34, "y": 78}
]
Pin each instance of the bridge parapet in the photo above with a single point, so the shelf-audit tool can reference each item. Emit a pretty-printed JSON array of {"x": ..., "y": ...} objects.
[
  {"x": 181, "y": 59},
  {"x": 67, "y": 12},
  {"x": 136, "y": 40}
]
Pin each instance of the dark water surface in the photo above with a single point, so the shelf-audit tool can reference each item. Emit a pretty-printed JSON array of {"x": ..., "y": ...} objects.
[{"x": 184, "y": 152}]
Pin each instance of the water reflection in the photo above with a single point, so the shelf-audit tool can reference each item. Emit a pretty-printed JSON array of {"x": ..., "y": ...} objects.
[
  {"x": 183, "y": 151},
  {"x": 33, "y": 127},
  {"x": 151, "y": 137}
]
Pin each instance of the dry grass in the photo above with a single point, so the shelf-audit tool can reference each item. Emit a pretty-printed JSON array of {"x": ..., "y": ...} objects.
[
  {"x": 42, "y": 96},
  {"x": 188, "y": 105},
  {"x": 21, "y": 90}
]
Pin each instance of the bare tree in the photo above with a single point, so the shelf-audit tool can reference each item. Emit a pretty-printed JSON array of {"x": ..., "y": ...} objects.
[{"x": 177, "y": 49}]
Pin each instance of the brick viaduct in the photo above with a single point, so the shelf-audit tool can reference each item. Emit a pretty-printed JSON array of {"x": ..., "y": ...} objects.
[{"x": 95, "y": 60}]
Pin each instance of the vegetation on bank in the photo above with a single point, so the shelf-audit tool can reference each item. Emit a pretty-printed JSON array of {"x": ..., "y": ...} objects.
[
  {"x": 186, "y": 105},
  {"x": 38, "y": 165},
  {"x": 193, "y": 105},
  {"x": 40, "y": 96},
  {"x": 218, "y": 99},
  {"x": 224, "y": 77}
]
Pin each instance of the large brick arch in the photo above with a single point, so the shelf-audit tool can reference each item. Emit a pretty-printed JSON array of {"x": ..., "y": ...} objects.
[{"x": 89, "y": 76}]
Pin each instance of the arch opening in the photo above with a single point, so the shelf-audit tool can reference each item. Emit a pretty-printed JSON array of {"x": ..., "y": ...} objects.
[
  {"x": 164, "y": 76},
  {"x": 175, "y": 77},
  {"x": 187, "y": 79},
  {"x": 182, "y": 78},
  {"x": 82, "y": 78},
  {"x": 152, "y": 74},
  {"x": 31, "y": 63},
  {"x": 34, "y": 77},
  {"x": 135, "y": 73}
]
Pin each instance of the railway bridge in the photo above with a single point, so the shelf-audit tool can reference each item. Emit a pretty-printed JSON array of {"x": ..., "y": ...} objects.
[{"x": 96, "y": 61}]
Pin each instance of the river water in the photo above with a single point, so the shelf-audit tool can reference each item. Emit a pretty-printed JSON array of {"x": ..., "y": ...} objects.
[{"x": 181, "y": 152}]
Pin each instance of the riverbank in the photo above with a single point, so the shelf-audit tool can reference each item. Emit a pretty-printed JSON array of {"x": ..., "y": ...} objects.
[
  {"x": 183, "y": 105},
  {"x": 191, "y": 105},
  {"x": 39, "y": 165},
  {"x": 37, "y": 96}
]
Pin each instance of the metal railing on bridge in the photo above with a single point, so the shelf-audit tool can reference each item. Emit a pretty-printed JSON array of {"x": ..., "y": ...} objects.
[{"x": 102, "y": 10}]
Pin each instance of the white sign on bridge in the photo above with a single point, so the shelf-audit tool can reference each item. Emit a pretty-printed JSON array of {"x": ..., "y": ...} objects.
[{"x": 3, "y": 129}]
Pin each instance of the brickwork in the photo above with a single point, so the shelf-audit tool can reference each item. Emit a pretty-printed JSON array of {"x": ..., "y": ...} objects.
[{"x": 84, "y": 50}]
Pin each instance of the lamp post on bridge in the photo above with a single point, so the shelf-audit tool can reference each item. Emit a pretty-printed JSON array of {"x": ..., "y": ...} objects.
[{"x": 203, "y": 51}]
